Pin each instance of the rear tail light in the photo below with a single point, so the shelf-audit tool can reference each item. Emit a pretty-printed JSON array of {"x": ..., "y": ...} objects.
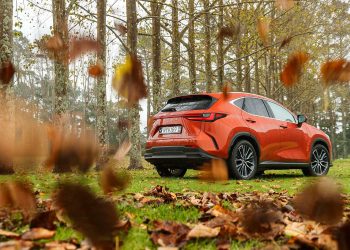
[{"x": 206, "y": 117}]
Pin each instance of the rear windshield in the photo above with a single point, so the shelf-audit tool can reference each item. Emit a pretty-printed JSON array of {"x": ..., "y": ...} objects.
[{"x": 185, "y": 103}]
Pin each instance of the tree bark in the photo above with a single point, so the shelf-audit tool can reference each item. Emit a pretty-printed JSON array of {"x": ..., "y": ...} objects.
[
  {"x": 220, "y": 59},
  {"x": 101, "y": 82},
  {"x": 257, "y": 75},
  {"x": 239, "y": 54},
  {"x": 6, "y": 32},
  {"x": 60, "y": 27},
  {"x": 156, "y": 9},
  {"x": 192, "y": 48},
  {"x": 175, "y": 61},
  {"x": 134, "y": 115},
  {"x": 207, "y": 47}
]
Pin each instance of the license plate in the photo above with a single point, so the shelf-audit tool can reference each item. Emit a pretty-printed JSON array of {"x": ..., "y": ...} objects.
[{"x": 170, "y": 130}]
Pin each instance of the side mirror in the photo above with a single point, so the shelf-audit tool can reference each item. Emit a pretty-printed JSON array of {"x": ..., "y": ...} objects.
[{"x": 301, "y": 119}]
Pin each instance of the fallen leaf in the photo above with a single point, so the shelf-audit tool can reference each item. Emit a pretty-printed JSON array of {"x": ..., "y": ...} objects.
[
  {"x": 92, "y": 216},
  {"x": 7, "y": 71},
  {"x": 202, "y": 231},
  {"x": 285, "y": 42},
  {"x": 96, "y": 70},
  {"x": 262, "y": 219},
  {"x": 38, "y": 234},
  {"x": 169, "y": 234},
  {"x": 129, "y": 82},
  {"x": 54, "y": 43},
  {"x": 342, "y": 236},
  {"x": 263, "y": 30},
  {"x": 45, "y": 220},
  {"x": 162, "y": 192},
  {"x": 230, "y": 31},
  {"x": 111, "y": 180},
  {"x": 18, "y": 195},
  {"x": 226, "y": 90},
  {"x": 292, "y": 70},
  {"x": 216, "y": 170},
  {"x": 337, "y": 71},
  {"x": 121, "y": 29},
  {"x": 82, "y": 46},
  {"x": 320, "y": 202},
  {"x": 8, "y": 234},
  {"x": 284, "y": 4},
  {"x": 123, "y": 150},
  {"x": 71, "y": 150}
]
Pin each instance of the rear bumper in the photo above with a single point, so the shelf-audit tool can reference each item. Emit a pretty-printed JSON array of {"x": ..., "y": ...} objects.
[{"x": 179, "y": 156}]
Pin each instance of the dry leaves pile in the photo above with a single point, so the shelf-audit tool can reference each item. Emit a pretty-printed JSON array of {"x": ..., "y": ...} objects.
[{"x": 318, "y": 217}]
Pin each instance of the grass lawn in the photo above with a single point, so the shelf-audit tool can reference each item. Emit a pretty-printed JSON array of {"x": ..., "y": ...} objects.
[{"x": 138, "y": 238}]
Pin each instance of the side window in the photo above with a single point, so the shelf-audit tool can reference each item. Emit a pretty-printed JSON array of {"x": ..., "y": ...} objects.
[
  {"x": 281, "y": 113},
  {"x": 255, "y": 106},
  {"x": 239, "y": 103}
]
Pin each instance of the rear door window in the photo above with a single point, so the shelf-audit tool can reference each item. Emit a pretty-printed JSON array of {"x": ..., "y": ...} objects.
[
  {"x": 184, "y": 103},
  {"x": 255, "y": 106}
]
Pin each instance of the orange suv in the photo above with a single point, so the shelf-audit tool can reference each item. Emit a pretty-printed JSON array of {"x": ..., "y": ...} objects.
[{"x": 251, "y": 132}]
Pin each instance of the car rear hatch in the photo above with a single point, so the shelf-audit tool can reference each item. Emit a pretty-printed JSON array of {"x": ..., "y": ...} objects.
[{"x": 181, "y": 116}]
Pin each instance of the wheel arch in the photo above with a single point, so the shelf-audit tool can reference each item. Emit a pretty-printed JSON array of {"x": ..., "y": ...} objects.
[
  {"x": 321, "y": 141},
  {"x": 245, "y": 136}
]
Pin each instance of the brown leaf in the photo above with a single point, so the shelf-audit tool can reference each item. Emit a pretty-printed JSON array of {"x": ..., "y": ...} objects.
[
  {"x": 82, "y": 46},
  {"x": 167, "y": 233},
  {"x": 202, "y": 231},
  {"x": 45, "y": 220},
  {"x": 54, "y": 48},
  {"x": 38, "y": 234},
  {"x": 71, "y": 150},
  {"x": 113, "y": 181},
  {"x": 264, "y": 30},
  {"x": 216, "y": 170},
  {"x": 54, "y": 43},
  {"x": 262, "y": 219},
  {"x": 94, "y": 217},
  {"x": 285, "y": 42},
  {"x": 123, "y": 150},
  {"x": 292, "y": 70},
  {"x": 96, "y": 70},
  {"x": 121, "y": 29},
  {"x": 284, "y": 4},
  {"x": 129, "y": 82},
  {"x": 8, "y": 234},
  {"x": 229, "y": 31},
  {"x": 320, "y": 202},
  {"x": 337, "y": 71},
  {"x": 342, "y": 236},
  {"x": 7, "y": 71},
  {"x": 162, "y": 192},
  {"x": 226, "y": 90},
  {"x": 18, "y": 195}
]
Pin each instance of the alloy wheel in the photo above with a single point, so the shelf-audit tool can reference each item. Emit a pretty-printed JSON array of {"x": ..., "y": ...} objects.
[
  {"x": 320, "y": 161},
  {"x": 245, "y": 160}
]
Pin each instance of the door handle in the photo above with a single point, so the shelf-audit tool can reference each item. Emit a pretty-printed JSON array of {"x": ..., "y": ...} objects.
[
  {"x": 283, "y": 126},
  {"x": 250, "y": 120}
]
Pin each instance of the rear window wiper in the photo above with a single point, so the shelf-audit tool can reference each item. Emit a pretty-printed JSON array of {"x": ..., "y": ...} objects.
[{"x": 169, "y": 110}]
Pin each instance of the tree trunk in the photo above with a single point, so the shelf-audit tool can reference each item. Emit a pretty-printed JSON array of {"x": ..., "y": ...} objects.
[
  {"x": 220, "y": 59},
  {"x": 6, "y": 32},
  {"x": 207, "y": 45},
  {"x": 134, "y": 115},
  {"x": 239, "y": 54},
  {"x": 101, "y": 82},
  {"x": 247, "y": 85},
  {"x": 156, "y": 9},
  {"x": 192, "y": 48},
  {"x": 175, "y": 61},
  {"x": 257, "y": 75},
  {"x": 60, "y": 27}
]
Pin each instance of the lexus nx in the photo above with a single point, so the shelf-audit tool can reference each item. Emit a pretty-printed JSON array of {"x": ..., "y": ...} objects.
[{"x": 251, "y": 132}]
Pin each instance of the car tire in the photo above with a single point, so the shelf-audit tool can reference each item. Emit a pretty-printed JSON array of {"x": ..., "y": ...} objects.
[
  {"x": 319, "y": 162},
  {"x": 170, "y": 172},
  {"x": 243, "y": 162}
]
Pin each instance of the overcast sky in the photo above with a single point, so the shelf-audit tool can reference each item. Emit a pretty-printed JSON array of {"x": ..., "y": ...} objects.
[{"x": 37, "y": 21}]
